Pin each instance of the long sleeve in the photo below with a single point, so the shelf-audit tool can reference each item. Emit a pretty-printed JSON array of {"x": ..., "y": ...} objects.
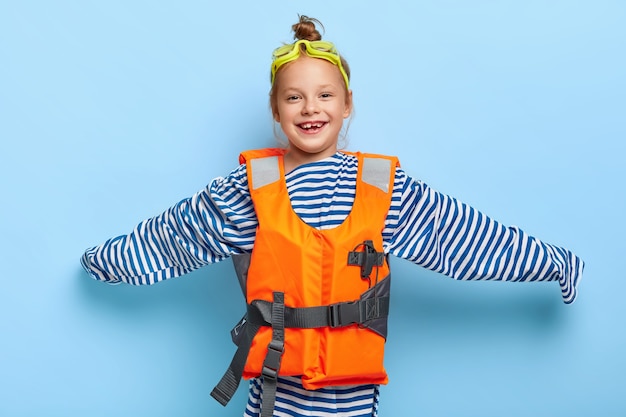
[
  {"x": 442, "y": 234},
  {"x": 206, "y": 228},
  {"x": 423, "y": 226}
]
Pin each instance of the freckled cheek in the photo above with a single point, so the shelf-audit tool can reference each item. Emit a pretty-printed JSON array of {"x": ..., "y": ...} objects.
[{"x": 288, "y": 115}]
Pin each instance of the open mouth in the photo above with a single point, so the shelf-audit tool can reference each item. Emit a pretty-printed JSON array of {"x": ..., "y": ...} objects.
[{"x": 312, "y": 127}]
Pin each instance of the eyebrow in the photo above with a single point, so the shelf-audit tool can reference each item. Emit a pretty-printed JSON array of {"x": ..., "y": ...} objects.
[{"x": 319, "y": 87}]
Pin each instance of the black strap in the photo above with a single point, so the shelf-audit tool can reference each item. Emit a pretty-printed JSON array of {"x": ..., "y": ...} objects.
[
  {"x": 264, "y": 313},
  {"x": 334, "y": 315},
  {"x": 275, "y": 350},
  {"x": 225, "y": 389}
]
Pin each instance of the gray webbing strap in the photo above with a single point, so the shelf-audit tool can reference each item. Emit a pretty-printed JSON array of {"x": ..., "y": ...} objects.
[
  {"x": 225, "y": 389},
  {"x": 334, "y": 315},
  {"x": 256, "y": 313},
  {"x": 275, "y": 350},
  {"x": 276, "y": 314}
]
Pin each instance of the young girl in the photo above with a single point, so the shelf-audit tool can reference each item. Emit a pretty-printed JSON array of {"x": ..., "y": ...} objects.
[{"x": 311, "y": 228}]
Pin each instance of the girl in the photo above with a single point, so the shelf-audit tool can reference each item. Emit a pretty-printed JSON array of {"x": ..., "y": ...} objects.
[{"x": 319, "y": 224}]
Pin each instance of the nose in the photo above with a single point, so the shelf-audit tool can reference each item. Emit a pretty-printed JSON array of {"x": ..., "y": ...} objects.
[{"x": 310, "y": 107}]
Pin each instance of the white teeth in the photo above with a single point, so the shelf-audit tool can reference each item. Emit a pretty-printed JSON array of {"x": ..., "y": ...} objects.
[{"x": 311, "y": 125}]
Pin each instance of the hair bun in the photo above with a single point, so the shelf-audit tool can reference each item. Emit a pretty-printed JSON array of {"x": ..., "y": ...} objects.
[{"x": 305, "y": 29}]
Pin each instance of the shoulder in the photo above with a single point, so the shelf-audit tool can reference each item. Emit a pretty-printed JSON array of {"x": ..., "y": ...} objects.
[
  {"x": 235, "y": 181},
  {"x": 362, "y": 155},
  {"x": 260, "y": 153}
]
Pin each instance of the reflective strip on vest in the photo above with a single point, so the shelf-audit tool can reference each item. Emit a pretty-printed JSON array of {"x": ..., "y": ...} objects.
[
  {"x": 264, "y": 171},
  {"x": 375, "y": 171}
]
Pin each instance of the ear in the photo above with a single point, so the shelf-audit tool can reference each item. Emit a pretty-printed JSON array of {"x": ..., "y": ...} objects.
[
  {"x": 275, "y": 113},
  {"x": 348, "y": 108}
]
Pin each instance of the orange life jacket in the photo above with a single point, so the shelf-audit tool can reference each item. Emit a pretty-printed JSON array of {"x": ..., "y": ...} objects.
[{"x": 318, "y": 299}]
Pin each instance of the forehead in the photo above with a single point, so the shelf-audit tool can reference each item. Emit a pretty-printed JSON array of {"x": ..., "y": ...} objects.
[{"x": 306, "y": 72}]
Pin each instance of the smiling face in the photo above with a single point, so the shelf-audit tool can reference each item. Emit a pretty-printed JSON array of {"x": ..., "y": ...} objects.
[{"x": 310, "y": 102}]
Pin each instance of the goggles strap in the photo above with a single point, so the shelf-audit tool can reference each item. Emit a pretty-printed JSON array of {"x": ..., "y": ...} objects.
[{"x": 326, "y": 50}]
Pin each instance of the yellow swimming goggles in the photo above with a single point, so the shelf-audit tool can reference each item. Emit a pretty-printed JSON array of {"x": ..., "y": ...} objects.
[{"x": 315, "y": 49}]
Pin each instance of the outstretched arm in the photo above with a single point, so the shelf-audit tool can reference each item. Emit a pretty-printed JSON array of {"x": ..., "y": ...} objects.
[
  {"x": 213, "y": 224},
  {"x": 442, "y": 234}
]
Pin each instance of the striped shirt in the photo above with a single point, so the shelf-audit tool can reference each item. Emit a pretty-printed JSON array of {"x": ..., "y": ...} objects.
[{"x": 423, "y": 226}]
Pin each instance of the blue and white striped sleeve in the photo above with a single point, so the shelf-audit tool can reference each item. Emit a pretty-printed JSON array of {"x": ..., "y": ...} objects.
[
  {"x": 442, "y": 234},
  {"x": 206, "y": 228}
]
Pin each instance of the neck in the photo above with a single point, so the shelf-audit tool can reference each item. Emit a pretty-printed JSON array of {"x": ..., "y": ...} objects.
[{"x": 295, "y": 158}]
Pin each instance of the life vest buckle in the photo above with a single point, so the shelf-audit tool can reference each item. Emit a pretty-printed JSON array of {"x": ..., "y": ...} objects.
[
  {"x": 343, "y": 314},
  {"x": 274, "y": 356}
]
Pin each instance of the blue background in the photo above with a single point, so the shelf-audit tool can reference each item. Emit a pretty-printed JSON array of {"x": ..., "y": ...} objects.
[{"x": 112, "y": 111}]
